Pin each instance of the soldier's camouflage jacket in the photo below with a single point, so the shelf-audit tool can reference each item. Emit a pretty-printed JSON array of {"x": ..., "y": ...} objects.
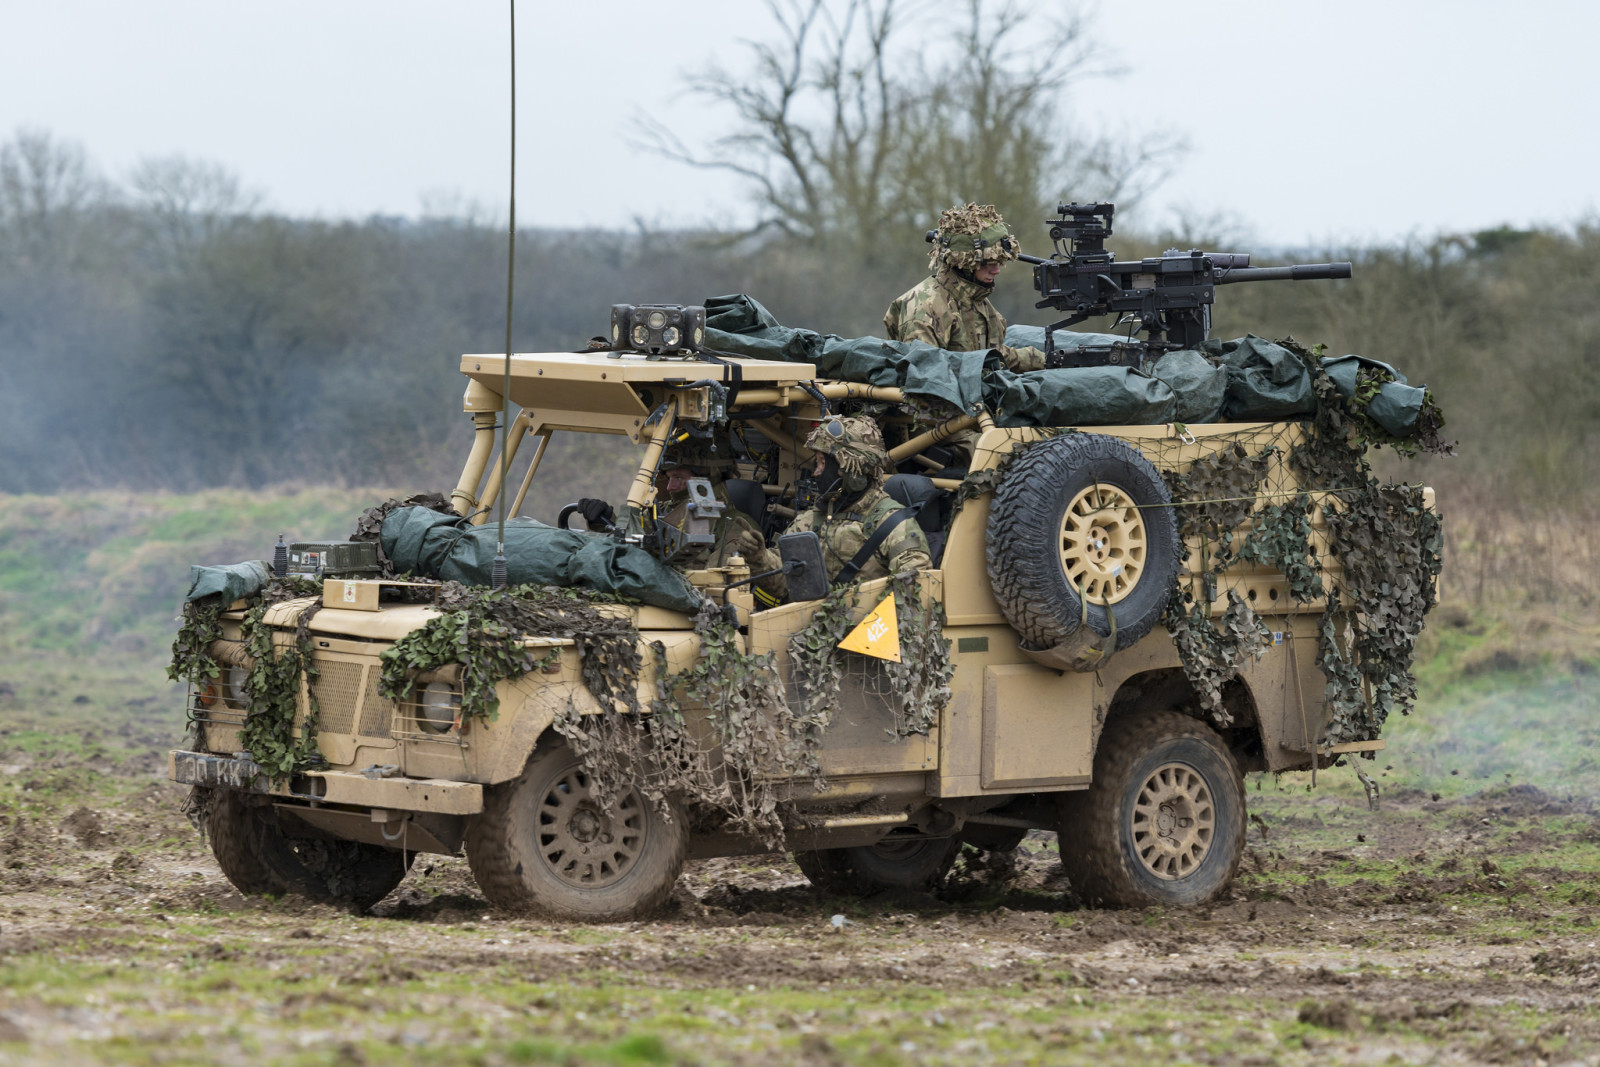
[
  {"x": 948, "y": 311},
  {"x": 845, "y": 532}
]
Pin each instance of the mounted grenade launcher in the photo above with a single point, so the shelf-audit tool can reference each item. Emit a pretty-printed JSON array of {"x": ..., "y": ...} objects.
[{"x": 1168, "y": 297}]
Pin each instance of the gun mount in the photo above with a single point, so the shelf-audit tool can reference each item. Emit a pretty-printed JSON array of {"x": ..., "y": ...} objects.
[{"x": 1168, "y": 297}]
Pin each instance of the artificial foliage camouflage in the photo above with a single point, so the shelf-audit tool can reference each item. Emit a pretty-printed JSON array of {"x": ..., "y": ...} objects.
[
  {"x": 1280, "y": 538},
  {"x": 272, "y": 684},
  {"x": 1388, "y": 543},
  {"x": 482, "y": 631},
  {"x": 272, "y": 690},
  {"x": 720, "y": 738},
  {"x": 970, "y": 235},
  {"x": 921, "y": 680}
]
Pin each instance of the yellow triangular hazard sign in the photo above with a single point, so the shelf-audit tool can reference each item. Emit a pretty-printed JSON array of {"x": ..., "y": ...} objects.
[{"x": 878, "y": 634}]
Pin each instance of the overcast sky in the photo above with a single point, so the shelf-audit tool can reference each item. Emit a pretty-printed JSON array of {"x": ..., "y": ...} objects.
[{"x": 1310, "y": 123}]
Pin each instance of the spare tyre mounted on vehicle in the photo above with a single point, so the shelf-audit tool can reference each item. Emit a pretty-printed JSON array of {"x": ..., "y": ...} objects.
[{"x": 1082, "y": 546}]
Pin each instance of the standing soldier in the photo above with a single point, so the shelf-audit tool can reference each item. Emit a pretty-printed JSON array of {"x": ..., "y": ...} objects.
[
  {"x": 951, "y": 309},
  {"x": 850, "y": 508}
]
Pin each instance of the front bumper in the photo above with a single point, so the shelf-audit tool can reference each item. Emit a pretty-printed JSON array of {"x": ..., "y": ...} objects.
[{"x": 329, "y": 787}]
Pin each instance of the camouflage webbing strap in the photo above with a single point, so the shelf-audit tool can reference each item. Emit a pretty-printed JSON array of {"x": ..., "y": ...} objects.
[{"x": 881, "y": 534}]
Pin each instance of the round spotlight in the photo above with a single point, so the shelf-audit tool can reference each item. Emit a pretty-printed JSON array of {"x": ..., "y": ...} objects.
[
  {"x": 438, "y": 707},
  {"x": 641, "y": 336},
  {"x": 669, "y": 337},
  {"x": 657, "y": 319},
  {"x": 233, "y": 691}
]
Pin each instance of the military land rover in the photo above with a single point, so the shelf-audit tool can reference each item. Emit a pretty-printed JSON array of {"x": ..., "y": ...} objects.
[{"x": 1120, "y": 620}]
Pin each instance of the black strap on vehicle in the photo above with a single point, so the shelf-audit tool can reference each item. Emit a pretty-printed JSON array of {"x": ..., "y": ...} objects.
[
  {"x": 881, "y": 534},
  {"x": 732, "y": 373}
]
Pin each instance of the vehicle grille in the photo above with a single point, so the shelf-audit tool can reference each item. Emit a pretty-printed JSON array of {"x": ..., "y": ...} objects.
[
  {"x": 376, "y": 713},
  {"x": 337, "y": 689}
]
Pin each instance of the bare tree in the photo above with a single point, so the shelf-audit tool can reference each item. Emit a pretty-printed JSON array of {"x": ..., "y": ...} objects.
[
  {"x": 187, "y": 201},
  {"x": 863, "y": 119},
  {"x": 46, "y": 188}
]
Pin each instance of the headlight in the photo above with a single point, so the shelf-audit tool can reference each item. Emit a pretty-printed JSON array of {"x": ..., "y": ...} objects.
[
  {"x": 233, "y": 691},
  {"x": 438, "y": 707},
  {"x": 669, "y": 337},
  {"x": 641, "y": 336},
  {"x": 657, "y": 319}
]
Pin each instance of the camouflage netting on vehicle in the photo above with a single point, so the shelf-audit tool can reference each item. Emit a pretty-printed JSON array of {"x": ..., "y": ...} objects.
[
  {"x": 1387, "y": 542},
  {"x": 482, "y": 630},
  {"x": 426, "y": 542},
  {"x": 1260, "y": 379},
  {"x": 720, "y": 735},
  {"x": 272, "y": 684},
  {"x": 918, "y": 685}
]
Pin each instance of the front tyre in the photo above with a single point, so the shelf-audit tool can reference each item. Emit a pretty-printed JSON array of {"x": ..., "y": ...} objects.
[
  {"x": 544, "y": 845},
  {"x": 259, "y": 856},
  {"x": 1164, "y": 821}
]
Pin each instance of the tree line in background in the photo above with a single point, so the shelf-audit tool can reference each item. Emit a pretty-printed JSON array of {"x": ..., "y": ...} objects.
[{"x": 165, "y": 332}]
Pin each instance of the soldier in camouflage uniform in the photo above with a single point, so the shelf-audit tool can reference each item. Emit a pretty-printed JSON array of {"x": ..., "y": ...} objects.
[
  {"x": 849, "y": 466},
  {"x": 951, "y": 308},
  {"x": 736, "y": 533}
]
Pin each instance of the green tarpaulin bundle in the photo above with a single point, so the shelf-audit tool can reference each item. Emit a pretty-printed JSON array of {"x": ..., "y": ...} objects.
[
  {"x": 1247, "y": 379},
  {"x": 434, "y": 544},
  {"x": 235, "y": 581}
]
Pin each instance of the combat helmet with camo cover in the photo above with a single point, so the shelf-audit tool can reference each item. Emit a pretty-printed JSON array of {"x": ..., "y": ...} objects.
[
  {"x": 856, "y": 445},
  {"x": 972, "y": 235}
]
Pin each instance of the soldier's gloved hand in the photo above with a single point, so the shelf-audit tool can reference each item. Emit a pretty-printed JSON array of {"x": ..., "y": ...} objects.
[
  {"x": 597, "y": 513},
  {"x": 750, "y": 545}
]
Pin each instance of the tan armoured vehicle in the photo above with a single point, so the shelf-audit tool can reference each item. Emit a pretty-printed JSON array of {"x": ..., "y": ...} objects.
[{"x": 1069, "y": 708}]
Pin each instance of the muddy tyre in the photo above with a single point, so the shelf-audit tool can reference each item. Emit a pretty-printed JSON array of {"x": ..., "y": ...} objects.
[
  {"x": 915, "y": 863},
  {"x": 1082, "y": 516},
  {"x": 260, "y": 855},
  {"x": 544, "y": 845},
  {"x": 230, "y": 828},
  {"x": 1164, "y": 821},
  {"x": 329, "y": 870}
]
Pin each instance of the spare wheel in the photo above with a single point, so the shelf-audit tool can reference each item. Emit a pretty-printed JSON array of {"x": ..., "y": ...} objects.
[{"x": 1082, "y": 517}]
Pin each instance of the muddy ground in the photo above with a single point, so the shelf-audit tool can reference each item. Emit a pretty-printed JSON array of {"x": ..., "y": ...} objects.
[{"x": 1437, "y": 929}]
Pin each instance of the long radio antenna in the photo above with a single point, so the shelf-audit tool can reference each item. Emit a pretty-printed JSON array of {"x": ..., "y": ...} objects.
[{"x": 497, "y": 577}]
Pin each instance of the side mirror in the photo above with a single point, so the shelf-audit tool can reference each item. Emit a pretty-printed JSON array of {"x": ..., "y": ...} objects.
[{"x": 802, "y": 561}]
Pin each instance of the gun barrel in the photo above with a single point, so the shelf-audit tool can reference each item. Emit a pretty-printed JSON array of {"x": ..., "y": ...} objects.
[
  {"x": 1300, "y": 272},
  {"x": 1031, "y": 259}
]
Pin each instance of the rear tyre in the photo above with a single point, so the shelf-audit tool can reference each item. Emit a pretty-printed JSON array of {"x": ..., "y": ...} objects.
[
  {"x": 544, "y": 845},
  {"x": 915, "y": 863},
  {"x": 1163, "y": 822}
]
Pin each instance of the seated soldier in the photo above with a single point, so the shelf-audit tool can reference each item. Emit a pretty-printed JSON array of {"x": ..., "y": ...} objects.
[
  {"x": 849, "y": 505},
  {"x": 735, "y": 533}
]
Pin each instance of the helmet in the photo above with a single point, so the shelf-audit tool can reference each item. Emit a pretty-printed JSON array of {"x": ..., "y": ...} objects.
[
  {"x": 971, "y": 235},
  {"x": 856, "y": 445}
]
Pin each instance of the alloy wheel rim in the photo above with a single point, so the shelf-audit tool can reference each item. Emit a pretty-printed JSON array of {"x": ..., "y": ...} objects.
[
  {"x": 582, "y": 843},
  {"x": 1174, "y": 821},
  {"x": 1103, "y": 544}
]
